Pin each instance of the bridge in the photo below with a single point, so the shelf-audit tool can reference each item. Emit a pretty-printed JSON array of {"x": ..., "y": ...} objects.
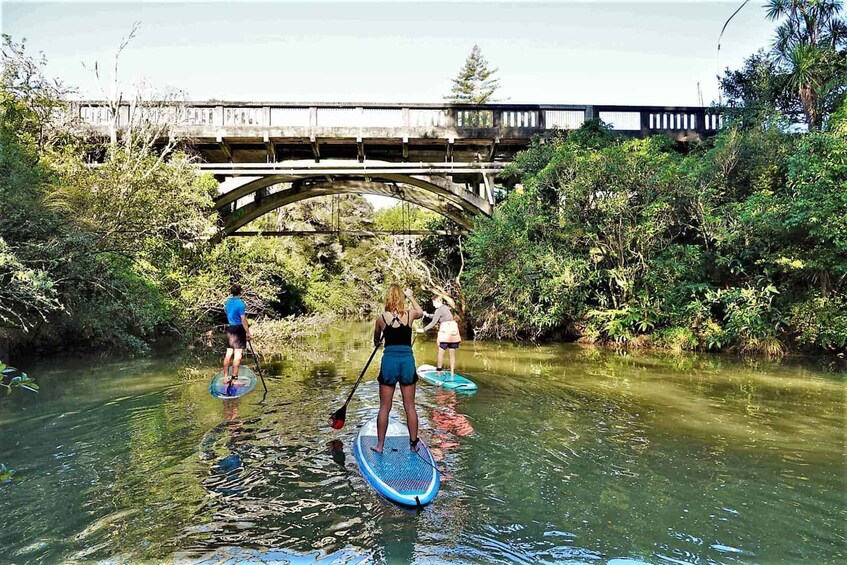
[{"x": 440, "y": 156}]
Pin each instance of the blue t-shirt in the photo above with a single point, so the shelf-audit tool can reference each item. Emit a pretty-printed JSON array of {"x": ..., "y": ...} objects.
[{"x": 235, "y": 308}]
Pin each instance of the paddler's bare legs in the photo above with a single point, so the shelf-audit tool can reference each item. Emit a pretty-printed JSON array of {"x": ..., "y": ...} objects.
[
  {"x": 386, "y": 395},
  {"x": 452, "y": 360},
  {"x": 408, "y": 392},
  {"x": 236, "y": 361},
  {"x": 227, "y": 360}
]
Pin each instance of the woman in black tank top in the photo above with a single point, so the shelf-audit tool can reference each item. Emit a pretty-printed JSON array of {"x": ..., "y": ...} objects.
[
  {"x": 394, "y": 326},
  {"x": 400, "y": 335}
]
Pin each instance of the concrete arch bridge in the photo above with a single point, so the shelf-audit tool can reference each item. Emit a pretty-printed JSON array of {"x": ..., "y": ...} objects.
[{"x": 442, "y": 157}]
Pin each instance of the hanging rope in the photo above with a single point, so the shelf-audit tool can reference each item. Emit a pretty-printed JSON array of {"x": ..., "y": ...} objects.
[
  {"x": 335, "y": 214},
  {"x": 406, "y": 225}
]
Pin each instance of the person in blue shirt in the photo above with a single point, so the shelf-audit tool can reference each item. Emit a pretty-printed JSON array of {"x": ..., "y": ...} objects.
[{"x": 237, "y": 332}]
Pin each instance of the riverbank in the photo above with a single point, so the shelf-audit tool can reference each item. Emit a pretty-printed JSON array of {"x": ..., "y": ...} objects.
[{"x": 271, "y": 337}]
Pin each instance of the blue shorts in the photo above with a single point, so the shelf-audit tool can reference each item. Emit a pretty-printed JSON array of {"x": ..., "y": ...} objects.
[
  {"x": 445, "y": 346},
  {"x": 398, "y": 366}
]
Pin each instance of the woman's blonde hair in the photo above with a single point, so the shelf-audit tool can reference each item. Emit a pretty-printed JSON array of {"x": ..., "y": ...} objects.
[{"x": 395, "y": 300}]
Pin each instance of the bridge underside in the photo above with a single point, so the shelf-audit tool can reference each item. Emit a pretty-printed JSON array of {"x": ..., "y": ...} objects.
[{"x": 258, "y": 191}]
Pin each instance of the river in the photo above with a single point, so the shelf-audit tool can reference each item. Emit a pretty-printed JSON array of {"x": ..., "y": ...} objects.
[{"x": 564, "y": 454}]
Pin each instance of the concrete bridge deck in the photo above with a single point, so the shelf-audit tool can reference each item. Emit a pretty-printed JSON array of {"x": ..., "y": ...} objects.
[{"x": 255, "y": 132}]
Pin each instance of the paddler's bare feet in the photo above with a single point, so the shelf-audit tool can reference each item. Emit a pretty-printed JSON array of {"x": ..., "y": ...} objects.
[
  {"x": 415, "y": 445},
  {"x": 377, "y": 448}
]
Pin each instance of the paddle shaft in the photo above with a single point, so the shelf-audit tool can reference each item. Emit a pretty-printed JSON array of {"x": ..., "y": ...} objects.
[
  {"x": 258, "y": 366},
  {"x": 362, "y": 374}
]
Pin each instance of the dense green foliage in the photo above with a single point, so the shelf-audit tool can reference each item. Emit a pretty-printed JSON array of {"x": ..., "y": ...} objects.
[
  {"x": 734, "y": 243},
  {"x": 121, "y": 254},
  {"x": 803, "y": 76},
  {"x": 739, "y": 243}
]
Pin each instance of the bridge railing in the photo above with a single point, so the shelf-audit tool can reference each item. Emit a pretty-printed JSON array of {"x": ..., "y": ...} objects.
[{"x": 501, "y": 120}]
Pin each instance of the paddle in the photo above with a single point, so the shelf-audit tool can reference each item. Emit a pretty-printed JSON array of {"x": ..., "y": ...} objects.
[
  {"x": 336, "y": 419},
  {"x": 258, "y": 367}
]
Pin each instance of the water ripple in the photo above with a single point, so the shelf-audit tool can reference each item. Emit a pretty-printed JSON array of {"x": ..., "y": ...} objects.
[{"x": 557, "y": 458}]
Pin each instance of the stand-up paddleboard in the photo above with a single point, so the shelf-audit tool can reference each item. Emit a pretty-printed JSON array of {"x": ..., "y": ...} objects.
[
  {"x": 443, "y": 379},
  {"x": 398, "y": 473},
  {"x": 221, "y": 388}
]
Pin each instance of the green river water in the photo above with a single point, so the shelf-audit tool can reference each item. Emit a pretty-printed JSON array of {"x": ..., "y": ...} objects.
[{"x": 565, "y": 454}]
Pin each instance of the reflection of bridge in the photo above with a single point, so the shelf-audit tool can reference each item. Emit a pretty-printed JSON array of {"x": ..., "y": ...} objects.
[{"x": 442, "y": 157}]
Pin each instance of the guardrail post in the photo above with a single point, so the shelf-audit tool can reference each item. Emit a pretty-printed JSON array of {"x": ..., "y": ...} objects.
[
  {"x": 219, "y": 116},
  {"x": 266, "y": 116},
  {"x": 452, "y": 121},
  {"x": 74, "y": 111},
  {"x": 700, "y": 122},
  {"x": 645, "y": 122}
]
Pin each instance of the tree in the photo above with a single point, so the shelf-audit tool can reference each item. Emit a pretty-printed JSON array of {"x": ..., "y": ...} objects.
[
  {"x": 28, "y": 127},
  {"x": 810, "y": 43},
  {"x": 758, "y": 90},
  {"x": 475, "y": 83}
]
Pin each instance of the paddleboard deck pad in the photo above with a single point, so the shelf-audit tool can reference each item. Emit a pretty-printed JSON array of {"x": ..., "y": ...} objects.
[
  {"x": 398, "y": 473},
  {"x": 444, "y": 379},
  {"x": 221, "y": 388}
]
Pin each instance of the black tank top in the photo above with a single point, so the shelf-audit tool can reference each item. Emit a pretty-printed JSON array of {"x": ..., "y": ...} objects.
[{"x": 400, "y": 335}]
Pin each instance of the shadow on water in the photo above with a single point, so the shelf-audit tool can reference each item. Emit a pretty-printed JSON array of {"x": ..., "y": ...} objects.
[{"x": 564, "y": 454}]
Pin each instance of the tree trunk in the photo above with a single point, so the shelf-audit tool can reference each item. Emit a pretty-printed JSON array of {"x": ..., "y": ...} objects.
[
  {"x": 809, "y": 98},
  {"x": 4, "y": 349}
]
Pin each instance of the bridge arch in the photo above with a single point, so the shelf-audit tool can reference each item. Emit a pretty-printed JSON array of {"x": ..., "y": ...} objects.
[
  {"x": 305, "y": 190},
  {"x": 267, "y": 190}
]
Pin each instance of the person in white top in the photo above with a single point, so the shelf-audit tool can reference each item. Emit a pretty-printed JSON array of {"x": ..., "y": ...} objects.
[{"x": 448, "y": 331}]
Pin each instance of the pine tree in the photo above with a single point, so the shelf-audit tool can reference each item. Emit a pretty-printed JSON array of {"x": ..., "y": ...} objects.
[{"x": 475, "y": 83}]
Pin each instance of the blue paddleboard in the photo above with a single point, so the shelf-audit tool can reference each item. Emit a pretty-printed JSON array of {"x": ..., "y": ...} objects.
[
  {"x": 443, "y": 379},
  {"x": 246, "y": 381},
  {"x": 398, "y": 473}
]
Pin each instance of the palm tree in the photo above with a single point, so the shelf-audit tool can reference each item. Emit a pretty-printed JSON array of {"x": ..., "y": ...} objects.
[{"x": 811, "y": 42}]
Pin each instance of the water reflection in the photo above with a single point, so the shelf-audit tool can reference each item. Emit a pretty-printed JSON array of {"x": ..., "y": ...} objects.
[
  {"x": 564, "y": 453},
  {"x": 336, "y": 450},
  {"x": 449, "y": 426}
]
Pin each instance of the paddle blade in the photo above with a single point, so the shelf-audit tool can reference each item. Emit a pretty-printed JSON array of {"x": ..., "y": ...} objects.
[{"x": 336, "y": 419}]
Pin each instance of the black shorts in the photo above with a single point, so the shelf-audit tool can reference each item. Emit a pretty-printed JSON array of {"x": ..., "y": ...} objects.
[
  {"x": 445, "y": 346},
  {"x": 237, "y": 337}
]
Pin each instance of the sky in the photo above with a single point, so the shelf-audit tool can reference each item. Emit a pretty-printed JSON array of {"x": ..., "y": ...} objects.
[{"x": 624, "y": 52}]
